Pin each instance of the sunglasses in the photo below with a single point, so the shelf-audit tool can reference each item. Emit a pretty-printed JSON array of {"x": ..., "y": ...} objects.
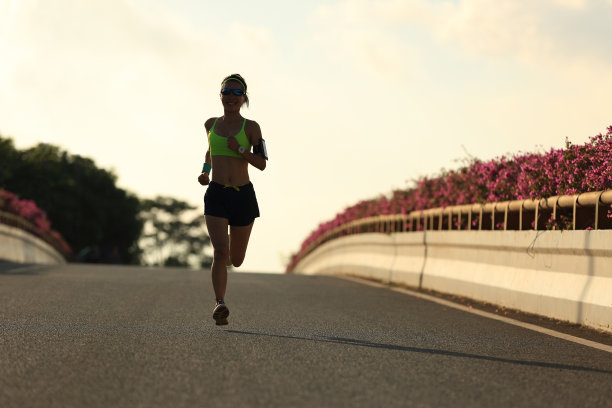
[{"x": 228, "y": 91}]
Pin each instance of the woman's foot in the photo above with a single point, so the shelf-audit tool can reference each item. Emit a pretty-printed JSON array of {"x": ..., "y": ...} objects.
[{"x": 220, "y": 313}]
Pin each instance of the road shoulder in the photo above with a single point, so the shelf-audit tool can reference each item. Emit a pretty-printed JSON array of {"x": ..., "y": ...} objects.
[{"x": 564, "y": 330}]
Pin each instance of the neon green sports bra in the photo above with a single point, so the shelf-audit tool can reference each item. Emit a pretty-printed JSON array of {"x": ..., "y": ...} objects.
[{"x": 218, "y": 144}]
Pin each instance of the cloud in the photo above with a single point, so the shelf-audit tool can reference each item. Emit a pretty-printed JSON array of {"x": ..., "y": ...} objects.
[
  {"x": 352, "y": 39},
  {"x": 559, "y": 33},
  {"x": 482, "y": 29},
  {"x": 551, "y": 32},
  {"x": 572, "y": 4},
  {"x": 79, "y": 49}
]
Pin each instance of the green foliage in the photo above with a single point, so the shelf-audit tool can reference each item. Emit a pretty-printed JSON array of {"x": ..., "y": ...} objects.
[
  {"x": 99, "y": 220},
  {"x": 173, "y": 235},
  {"x": 8, "y": 158}
]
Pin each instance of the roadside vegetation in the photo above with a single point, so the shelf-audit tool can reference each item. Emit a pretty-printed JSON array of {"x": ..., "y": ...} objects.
[
  {"x": 571, "y": 170},
  {"x": 77, "y": 206}
]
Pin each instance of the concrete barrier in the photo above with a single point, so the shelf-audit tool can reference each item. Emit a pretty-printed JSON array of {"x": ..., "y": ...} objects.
[
  {"x": 17, "y": 245},
  {"x": 565, "y": 275}
]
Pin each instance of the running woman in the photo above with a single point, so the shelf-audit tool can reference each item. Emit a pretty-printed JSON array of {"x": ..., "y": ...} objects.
[{"x": 230, "y": 199}]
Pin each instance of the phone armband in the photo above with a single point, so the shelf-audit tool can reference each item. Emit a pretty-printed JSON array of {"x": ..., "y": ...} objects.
[{"x": 261, "y": 150}]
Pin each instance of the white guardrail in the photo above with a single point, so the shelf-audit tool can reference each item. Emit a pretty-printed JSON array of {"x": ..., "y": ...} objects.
[
  {"x": 17, "y": 245},
  {"x": 562, "y": 274}
]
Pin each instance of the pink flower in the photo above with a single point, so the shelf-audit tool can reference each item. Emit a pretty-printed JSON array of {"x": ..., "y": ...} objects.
[{"x": 29, "y": 211}]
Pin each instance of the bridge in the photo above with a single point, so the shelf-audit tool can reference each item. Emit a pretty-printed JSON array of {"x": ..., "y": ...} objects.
[
  {"x": 412, "y": 333},
  {"x": 77, "y": 335}
]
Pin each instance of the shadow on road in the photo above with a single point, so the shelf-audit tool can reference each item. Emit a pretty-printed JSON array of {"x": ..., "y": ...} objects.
[
  {"x": 363, "y": 343},
  {"x": 11, "y": 268}
]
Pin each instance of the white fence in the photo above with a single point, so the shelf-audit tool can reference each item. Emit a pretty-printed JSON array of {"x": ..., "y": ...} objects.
[
  {"x": 565, "y": 275},
  {"x": 17, "y": 245}
]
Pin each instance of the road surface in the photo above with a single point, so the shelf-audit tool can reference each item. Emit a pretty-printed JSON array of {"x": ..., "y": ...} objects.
[{"x": 113, "y": 336}]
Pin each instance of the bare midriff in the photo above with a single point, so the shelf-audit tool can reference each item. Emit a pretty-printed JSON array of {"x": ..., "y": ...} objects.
[{"x": 230, "y": 171}]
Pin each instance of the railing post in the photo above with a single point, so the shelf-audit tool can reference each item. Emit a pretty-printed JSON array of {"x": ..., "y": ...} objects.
[
  {"x": 597, "y": 209},
  {"x": 574, "y": 212},
  {"x": 554, "y": 214},
  {"x": 506, "y": 216},
  {"x": 470, "y": 219}
]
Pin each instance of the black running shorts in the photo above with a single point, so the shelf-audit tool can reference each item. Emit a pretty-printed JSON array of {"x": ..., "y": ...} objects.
[{"x": 237, "y": 204}]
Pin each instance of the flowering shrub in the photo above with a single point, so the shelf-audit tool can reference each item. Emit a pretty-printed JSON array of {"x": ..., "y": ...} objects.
[
  {"x": 29, "y": 211},
  {"x": 571, "y": 170}
]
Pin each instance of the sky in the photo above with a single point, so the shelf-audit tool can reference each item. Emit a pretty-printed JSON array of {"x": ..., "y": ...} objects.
[{"x": 355, "y": 98}]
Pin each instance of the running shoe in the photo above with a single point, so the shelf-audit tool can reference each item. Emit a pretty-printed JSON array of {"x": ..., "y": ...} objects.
[{"x": 220, "y": 313}]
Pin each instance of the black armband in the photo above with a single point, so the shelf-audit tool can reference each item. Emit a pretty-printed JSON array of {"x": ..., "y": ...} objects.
[{"x": 260, "y": 149}]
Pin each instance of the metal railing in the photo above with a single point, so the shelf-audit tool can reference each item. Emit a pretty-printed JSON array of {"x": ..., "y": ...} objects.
[{"x": 516, "y": 215}]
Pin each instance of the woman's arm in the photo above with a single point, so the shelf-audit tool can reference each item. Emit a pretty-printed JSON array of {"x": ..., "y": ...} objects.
[
  {"x": 255, "y": 159},
  {"x": 253, "y": 133},
  {"x": 204, "y": 177}
]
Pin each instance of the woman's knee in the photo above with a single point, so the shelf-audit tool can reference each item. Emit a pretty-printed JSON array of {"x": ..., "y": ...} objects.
[
  {"x": 221, "y": 252},
  {"x": 237, "y": 259}
]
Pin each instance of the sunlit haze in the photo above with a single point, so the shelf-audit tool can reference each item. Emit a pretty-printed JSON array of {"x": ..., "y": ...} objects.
[{"x": 354, "y": 98}]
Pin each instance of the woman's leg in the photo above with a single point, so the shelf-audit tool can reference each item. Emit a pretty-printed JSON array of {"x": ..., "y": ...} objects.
[
  {"x": 239, "y": 240},
  {"x": 217, "y": 230}
]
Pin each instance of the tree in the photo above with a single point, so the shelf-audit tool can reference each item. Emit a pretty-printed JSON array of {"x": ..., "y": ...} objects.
[
  {"x": 8, "y": 158},
  {"x": 173, "y": 234},
  {"x": 98, "y": 219}
]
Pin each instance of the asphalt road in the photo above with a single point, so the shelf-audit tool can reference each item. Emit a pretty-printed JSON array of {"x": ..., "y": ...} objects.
[{"x": 107, "y": 336}]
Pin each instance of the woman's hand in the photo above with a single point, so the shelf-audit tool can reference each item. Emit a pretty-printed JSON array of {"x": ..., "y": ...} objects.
[
  {"x": 203, "y": 179},
  {"x": 232, "y": 143}
]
